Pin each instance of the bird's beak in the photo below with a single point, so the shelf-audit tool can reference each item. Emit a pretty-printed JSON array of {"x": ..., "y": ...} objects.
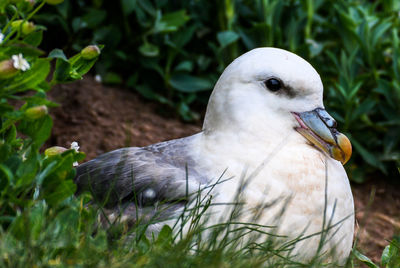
[{"x": 319, "y": 128}]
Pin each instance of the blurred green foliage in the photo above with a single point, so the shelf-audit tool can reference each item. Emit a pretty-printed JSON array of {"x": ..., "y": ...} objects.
[
  {"x": 174, "y": 51},
  {"x": 30, "y": 179},
  {"x": 390, "y": 257}
]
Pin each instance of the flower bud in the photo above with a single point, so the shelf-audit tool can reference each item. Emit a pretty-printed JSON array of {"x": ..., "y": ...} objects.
[
  {"x": 90, "y": 52},
  {"x": 54, "y": 2},
  {"x": 36, "y": 112},
  {"x": 27, "y": 27},
  {"x": 55, "y": 150},
  {"x": 31, "y": 2},
  {"x": 7, "y": 69}
]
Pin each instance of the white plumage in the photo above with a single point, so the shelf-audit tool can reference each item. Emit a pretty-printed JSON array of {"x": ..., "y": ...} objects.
[{"x": 265, "y": 122}]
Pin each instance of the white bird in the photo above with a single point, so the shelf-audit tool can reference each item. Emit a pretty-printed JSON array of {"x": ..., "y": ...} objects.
[{"x": 266, "y": 117}]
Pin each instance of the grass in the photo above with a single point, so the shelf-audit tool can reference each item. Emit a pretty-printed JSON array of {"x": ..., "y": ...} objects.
[{"x": 71, "y": 234}]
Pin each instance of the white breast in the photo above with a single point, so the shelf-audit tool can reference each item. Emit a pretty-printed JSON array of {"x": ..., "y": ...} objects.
[{"x": 293, "y": 178}]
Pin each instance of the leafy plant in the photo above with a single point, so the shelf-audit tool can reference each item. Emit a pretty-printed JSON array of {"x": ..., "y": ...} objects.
[
  {"x": 390, "y": 255},
  {"x": 173, "y": 52},
  {"x": 31, "y": 183}
]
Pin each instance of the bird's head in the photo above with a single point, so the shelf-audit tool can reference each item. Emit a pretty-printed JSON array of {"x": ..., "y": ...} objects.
[{"x": 268, "y": 92}]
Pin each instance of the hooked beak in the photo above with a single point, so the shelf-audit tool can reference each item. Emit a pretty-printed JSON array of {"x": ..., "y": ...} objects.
[{"x": 318, "y": 127}]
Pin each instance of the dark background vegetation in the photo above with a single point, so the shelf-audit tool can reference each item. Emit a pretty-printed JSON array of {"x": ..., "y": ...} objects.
[{"x": 174, "y": 51}]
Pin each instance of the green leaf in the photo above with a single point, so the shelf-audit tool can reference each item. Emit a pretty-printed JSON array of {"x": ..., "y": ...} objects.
[
  {"x": 170, "y": 22},
  {"x": 128, "y": 6},
  {"x": 80, "y": 156},
  {"x": 185, "y": 112},
  {"x": 64, "y": 189},
  {"x": 5, "y": 152},
  {"x": 63, "y": 229},
  {"x": 385, "y": 255},
  {"x": 186, "y": 66},
  {"x": 62, "y": 71},
  {"x": 370, "y": 158},
  {"x": 152, "y": 64},
  {"x": 148, "y": 93},
  {"x": 354, "y": 91},
  {"x": 112, "y": 78},
  {"x": 6, "y": 176},
  {"x": 24, "y": 49},
  {"x": 72, "y": 69},
  {"x": 391, "y": 254},
  {"x": 57, "y": 54},
  {"x": 365, "y": 108},
  {"x": 19, "y": 227},
  {"x": 63, "y": 9},
  {"x": 385, "y": 88},
  {"x": 149, "y": 50},
  {"x": 226, "y": 38},
  {"x": 189, "y": 83},
  {"x": 57, "y": 176},
  {"x": 42, "y": 130},
  {"x": 380, "y": 30},
  {"x": 164, "y": 238},
  {"x": 45, "y": 172},
  {"x": 34, "y": 38},
  {"x": 147, "y": 6},
  {"x": 38, "y": 130},
  {"x": 183, "y": 36},
  {"x": 11, "y": 134},
  {"x": 93, "y": 17},
  {"x": 26, "y": 170},
  {"x": 364, "y": 259},
  {"x": 37, "y": 219},
  {"x": 81, "y": 66},
  {"x": 30, "y": 78}
]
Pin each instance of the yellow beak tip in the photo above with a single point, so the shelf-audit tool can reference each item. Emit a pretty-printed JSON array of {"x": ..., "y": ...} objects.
[{"x": 344, "y": 150}]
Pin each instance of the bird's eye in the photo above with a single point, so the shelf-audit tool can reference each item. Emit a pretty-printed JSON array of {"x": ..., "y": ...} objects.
[{"x": 273, "y": 84}]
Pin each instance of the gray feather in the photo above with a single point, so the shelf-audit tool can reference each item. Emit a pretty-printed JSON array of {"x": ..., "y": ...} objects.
[{"x": 148, "y": 181}]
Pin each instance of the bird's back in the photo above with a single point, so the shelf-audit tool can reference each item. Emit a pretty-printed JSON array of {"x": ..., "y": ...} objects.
[{"x": 145, "y": 178}]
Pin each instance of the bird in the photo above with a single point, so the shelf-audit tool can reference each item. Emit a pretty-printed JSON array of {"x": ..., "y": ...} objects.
[{"x": 266, "y": 137}]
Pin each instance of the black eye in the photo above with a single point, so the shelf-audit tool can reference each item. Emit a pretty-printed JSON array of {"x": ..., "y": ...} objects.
[{"x": 273, "y": 84}]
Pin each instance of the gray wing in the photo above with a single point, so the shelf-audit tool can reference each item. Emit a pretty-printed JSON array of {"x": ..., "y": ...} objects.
[{"x": 142, "y": 181}]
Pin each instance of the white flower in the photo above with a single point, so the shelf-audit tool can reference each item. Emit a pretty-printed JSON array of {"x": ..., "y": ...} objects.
[
  {"x": 1, "y": 37},
  {"x": 98, "y": 78},
  {"x": 20, "y": 63},
  {"x": 75, "y": 146}
]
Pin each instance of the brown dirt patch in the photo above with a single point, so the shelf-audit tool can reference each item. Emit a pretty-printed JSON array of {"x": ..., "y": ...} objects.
[
  {"x": 378, "y": 216},
  {"x": 102, "y": 119}
]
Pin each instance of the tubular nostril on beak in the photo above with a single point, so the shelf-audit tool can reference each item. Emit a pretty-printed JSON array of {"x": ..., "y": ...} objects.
[
  {"x": 330, "y": 122},
  {"x": 327, "y": 118}
]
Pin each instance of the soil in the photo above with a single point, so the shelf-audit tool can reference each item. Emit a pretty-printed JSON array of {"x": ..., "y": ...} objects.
[{"x": 103, "y": 118}]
